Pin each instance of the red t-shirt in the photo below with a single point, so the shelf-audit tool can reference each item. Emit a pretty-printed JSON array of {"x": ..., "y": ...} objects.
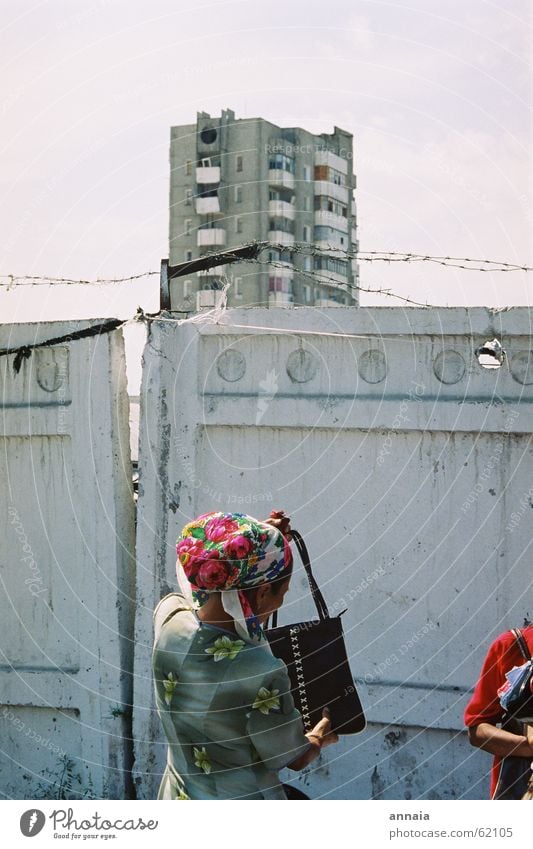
[{"x": 484, "y": 706}]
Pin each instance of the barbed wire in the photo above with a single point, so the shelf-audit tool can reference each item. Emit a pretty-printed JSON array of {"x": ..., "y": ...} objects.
[
  {"x": 319, "y": 277},
  {"x": 9, "y": 280},
  {"x": 316, "y": 276}
]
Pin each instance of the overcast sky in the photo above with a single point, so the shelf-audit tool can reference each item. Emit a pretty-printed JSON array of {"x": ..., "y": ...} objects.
[{"x": 436, "y": 92}]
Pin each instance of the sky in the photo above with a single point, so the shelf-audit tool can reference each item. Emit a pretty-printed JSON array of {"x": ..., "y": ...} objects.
[{"x": 436, "y": 94}]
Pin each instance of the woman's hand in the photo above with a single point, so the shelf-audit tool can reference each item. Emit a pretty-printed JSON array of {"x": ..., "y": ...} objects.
[
  {"x": 279, "y": 520},
  {"x": 322, "y": 732},
  {"x": 319, "y": 737}
]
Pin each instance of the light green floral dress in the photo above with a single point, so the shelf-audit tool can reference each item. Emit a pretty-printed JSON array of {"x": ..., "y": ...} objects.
[{"x": 226, "y": 709}]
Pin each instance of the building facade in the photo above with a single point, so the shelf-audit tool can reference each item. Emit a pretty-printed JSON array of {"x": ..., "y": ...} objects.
[{"x": 235, "y": 181}]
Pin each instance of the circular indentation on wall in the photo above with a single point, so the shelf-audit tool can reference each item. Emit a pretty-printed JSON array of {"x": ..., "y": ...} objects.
[
  {"x": 301, "y": 366},
  {"x": 449, "y": 366},
  {"x": 231, "y": 365},
  {"x": 522, "y": 367},
  {"x": 51, "y": 368},
  {"x": 372, "y": 366}
]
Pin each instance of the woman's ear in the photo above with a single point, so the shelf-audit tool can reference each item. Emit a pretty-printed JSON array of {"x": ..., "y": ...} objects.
[{"x": 262, "y": 596}]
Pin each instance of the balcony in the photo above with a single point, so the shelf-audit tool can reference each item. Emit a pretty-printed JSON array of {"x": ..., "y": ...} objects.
[
  {"x": 325, "y": 218},
  {"x": 281, "y": 209},
  {"x": 330, "y": 278},
  {"x": 278, "y": 237},
  {"x": 326, "y": 157},
  {"x": 328, "y": 302},
  {"x": 215, "y": 271},
  {"x": 277, "y": 177},
  {"x": 332, "y": 190},
  {"x": 281, "y": 269},
  {"x": 335, "y": 248},
  {"x": 205, "y": 206},
  {"x": 280, "y": 299},
  {"x": 213, "y": 236},
  {"x": 208, "y": 175}
]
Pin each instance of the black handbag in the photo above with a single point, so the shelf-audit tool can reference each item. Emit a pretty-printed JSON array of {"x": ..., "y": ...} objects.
[{"x": 316, "y": 660}]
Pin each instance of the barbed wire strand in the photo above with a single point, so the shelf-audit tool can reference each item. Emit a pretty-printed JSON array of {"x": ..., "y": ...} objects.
[{"x": 10, "y": 280}]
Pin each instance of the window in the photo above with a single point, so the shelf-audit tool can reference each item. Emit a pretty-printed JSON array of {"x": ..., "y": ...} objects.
[
  {"x": 306, "y": 234},
  {"x": 308, "y": 263},
  {"x": 238, "y": 194},
  {"x": 307, "y": 294},
  {"x": 238, "y": 224},
  {"x": 186, "y": 288},
  {"x": 188, "y": 256},
  {"x": 307, "y": 205},
  {"x": 188, "y": 196},
  {"x": 188, "y": 224},
  {"x": 237, "y": 285},
  {"x": 188, "y": 168},
  {"x": 279, "y": 284},
  {"x": 238, "y": 162},
  {"x": 280, "y": 162},
  {"x": 330, "y": 205},
  {"x": 307, "y": 173},
  {"x": 329, "y": 263},
  {"x": 282, "y": 225}
]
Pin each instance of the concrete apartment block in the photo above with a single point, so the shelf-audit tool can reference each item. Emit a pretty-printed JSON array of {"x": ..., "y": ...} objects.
[{"x": 234, "y": 181}]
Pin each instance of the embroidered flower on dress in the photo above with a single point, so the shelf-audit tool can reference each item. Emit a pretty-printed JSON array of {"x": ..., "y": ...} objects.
[
  {"x": 201, "y": 759},
  {"x": 266, "y": 700},
  {"x": 170, "y": 685},
  {"x": 225, "y": 647}
]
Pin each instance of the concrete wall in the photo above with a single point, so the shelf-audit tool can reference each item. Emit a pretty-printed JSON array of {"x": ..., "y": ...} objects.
[
  {"x": 402, "y": 461},
  {"x": 66, "y": 568}
]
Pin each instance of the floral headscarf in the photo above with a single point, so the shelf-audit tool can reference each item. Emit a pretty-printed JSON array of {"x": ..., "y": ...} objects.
[{"x": 227, "y": 553}]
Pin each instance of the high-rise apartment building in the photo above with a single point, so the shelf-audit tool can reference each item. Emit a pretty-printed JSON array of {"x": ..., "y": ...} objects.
[{"x": 235, "y": 181}]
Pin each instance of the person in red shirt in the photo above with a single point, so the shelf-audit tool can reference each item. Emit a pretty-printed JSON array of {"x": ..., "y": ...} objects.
[{"x": 484, "y": 712}]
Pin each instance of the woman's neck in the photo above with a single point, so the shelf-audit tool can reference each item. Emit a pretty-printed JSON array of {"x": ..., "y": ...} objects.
[{"x": 212, "y": 613}]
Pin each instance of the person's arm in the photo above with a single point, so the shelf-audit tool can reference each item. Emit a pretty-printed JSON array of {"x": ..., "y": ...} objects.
[
  {"x": 498, "y": 742},
  {"x": 320, "y": 737}
]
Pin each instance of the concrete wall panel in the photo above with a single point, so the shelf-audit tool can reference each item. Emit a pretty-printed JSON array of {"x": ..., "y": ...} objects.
[
  {"x": 401, "y": 460},
  {"x": 67, "y": 567}
]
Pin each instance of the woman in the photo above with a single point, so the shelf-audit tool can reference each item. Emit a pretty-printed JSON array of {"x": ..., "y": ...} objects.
[
  {"x": 484, "y": 712},
  {"x": 224, "y": 700}
]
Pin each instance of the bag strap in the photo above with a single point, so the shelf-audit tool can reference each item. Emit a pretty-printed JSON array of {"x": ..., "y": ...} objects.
[
  {"x": 318, "y": 598},
  {"x": 522, "y": 645}
]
